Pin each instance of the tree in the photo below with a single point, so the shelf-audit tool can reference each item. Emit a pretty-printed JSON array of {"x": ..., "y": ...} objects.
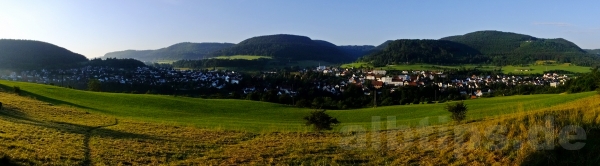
[
  {"x": 458, "y": 110},
  {"x": 94, "y": 85},
  {"x": 320, "y": 120}
]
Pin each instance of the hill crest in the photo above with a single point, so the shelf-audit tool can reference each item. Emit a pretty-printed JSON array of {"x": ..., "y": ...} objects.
[
  {"x": 30, "y": 54},
  {"x": 285, "y": 46},
  {"x": 179, "y": 51}
]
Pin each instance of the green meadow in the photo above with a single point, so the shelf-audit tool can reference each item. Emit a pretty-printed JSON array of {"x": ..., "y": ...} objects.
[
  {"x": 256, "y": 116},
  {"x": 537, "y": 68},
  {"x": 245, "y": 57}
]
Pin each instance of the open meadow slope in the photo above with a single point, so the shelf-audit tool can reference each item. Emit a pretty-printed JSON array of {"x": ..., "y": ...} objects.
[
  {"x": 39, "y": 133},
  {"x": 524, "y": 69},
  {"x": 255, "y": 116}
]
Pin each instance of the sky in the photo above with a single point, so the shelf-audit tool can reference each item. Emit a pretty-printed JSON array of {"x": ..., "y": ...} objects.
[{"x": 96, "y": 27}]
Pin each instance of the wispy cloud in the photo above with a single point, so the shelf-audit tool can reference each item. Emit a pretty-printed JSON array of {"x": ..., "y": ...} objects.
[
  {"x": 557, "y": 24},
  {"x": 585, "y": 31}
]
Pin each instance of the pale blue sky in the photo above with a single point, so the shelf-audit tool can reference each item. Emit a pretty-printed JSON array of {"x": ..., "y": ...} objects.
[{"x": 95, "y": 27}]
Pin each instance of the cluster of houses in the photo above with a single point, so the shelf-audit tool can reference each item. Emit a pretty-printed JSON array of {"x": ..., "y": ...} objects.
[
  {"x": 218, "y": 79},
  {"x": 473, "y": 84},
  {"x": 140, "y": 75}
]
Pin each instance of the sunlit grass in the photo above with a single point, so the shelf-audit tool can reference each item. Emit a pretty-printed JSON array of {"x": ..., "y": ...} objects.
[
  {"x": 39, "y": 133},
  {"x": 262, "y": 116}
]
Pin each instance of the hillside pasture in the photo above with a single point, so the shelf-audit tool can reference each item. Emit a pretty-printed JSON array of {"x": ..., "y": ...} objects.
[
  {"x": 39, "y": 133},
  {"x": 430, "y": 67},
  {"x": 256, "y": 116},
  {"x": 244, "y": 57},
  {"x": 537, "y": 68}
]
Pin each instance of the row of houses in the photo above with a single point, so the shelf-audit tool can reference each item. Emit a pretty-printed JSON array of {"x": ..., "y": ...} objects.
[{"x": 140, "y": 75}]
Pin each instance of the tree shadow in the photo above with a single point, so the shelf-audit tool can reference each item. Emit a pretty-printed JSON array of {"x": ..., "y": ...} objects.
[
  {"x": 88, "y": 131},
  {"x": 5, "y": 160},
  {"x": 54, "y": 101},
  {"x": 588, "y": 155}
]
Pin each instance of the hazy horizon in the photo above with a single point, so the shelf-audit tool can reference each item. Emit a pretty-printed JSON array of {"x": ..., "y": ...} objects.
[{"x": 94, "y": 28}]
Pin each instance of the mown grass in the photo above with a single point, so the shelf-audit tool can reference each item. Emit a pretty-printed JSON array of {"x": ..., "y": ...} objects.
[
  {"x": 39, "y": 133},
  {"x": 255, "y": 116}
]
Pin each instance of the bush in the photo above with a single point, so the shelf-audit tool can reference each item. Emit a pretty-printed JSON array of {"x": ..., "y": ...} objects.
[
  {"x": 458, "y": 110},
  {"x": 320, "y": 120},
  {"x": 0, "y": 105}
]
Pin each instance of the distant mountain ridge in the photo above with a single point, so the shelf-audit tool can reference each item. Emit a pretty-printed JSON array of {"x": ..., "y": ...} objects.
[
  {"x": 289, "y": 47},
  {"x": 29, "y": 54},
  {"x": 177, "y": 51}
]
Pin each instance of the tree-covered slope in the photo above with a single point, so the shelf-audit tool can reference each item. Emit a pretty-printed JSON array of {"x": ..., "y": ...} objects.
[
  {"x": 497, "y": 42},
  {"x": 593, "y": 51},
  {"x": 424, "y": 51},
  {"x": 383, "y": 45},
  {"x": 28, "y": 54},
  {"x": 178, "y": 51},
  {"x": 357, "y": 51},
  {"x": 290, "y": 47},
  {"x": 512, "y": 48}
]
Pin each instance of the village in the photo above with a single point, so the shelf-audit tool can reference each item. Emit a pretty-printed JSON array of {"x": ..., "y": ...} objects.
[
  {"x": 141, "y": 75},
  {"x": 473, "y": 85},
  {"x": 196, "y": 79}
]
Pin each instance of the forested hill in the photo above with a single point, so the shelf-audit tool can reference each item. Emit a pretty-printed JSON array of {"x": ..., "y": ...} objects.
[
  {"x": 289, "y": 47},
  {"x": 175, "y": 52},
  {"x": 28, "y": 54},
  {"x": 511, "y": 48},
  {"x": 357, "y": 51},
  {"x": 497, "y": 42},
  {"x": 593, "y": 51},
  {"x": 383, "y": 45},
  {"x": 424, "y": 51}
]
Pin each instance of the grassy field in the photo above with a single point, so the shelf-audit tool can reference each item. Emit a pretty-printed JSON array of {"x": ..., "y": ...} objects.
[
  {"x": 537, "y": 68},
  {"x": 245, "y": 57},
  {"x": 165, "y": 61},
  {"x": 417, "y": 66},
  {"x": 39, "y": 133},
  {"x": 267, "y": 117}
]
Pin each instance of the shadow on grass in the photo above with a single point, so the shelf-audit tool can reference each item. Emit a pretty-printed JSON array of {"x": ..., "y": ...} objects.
[
  {"x": 88, "y": 131},
  {"x": 588, "y": 155},
  {"x": 5, "y": 160},
  {"x": 44, "y": 98}
]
